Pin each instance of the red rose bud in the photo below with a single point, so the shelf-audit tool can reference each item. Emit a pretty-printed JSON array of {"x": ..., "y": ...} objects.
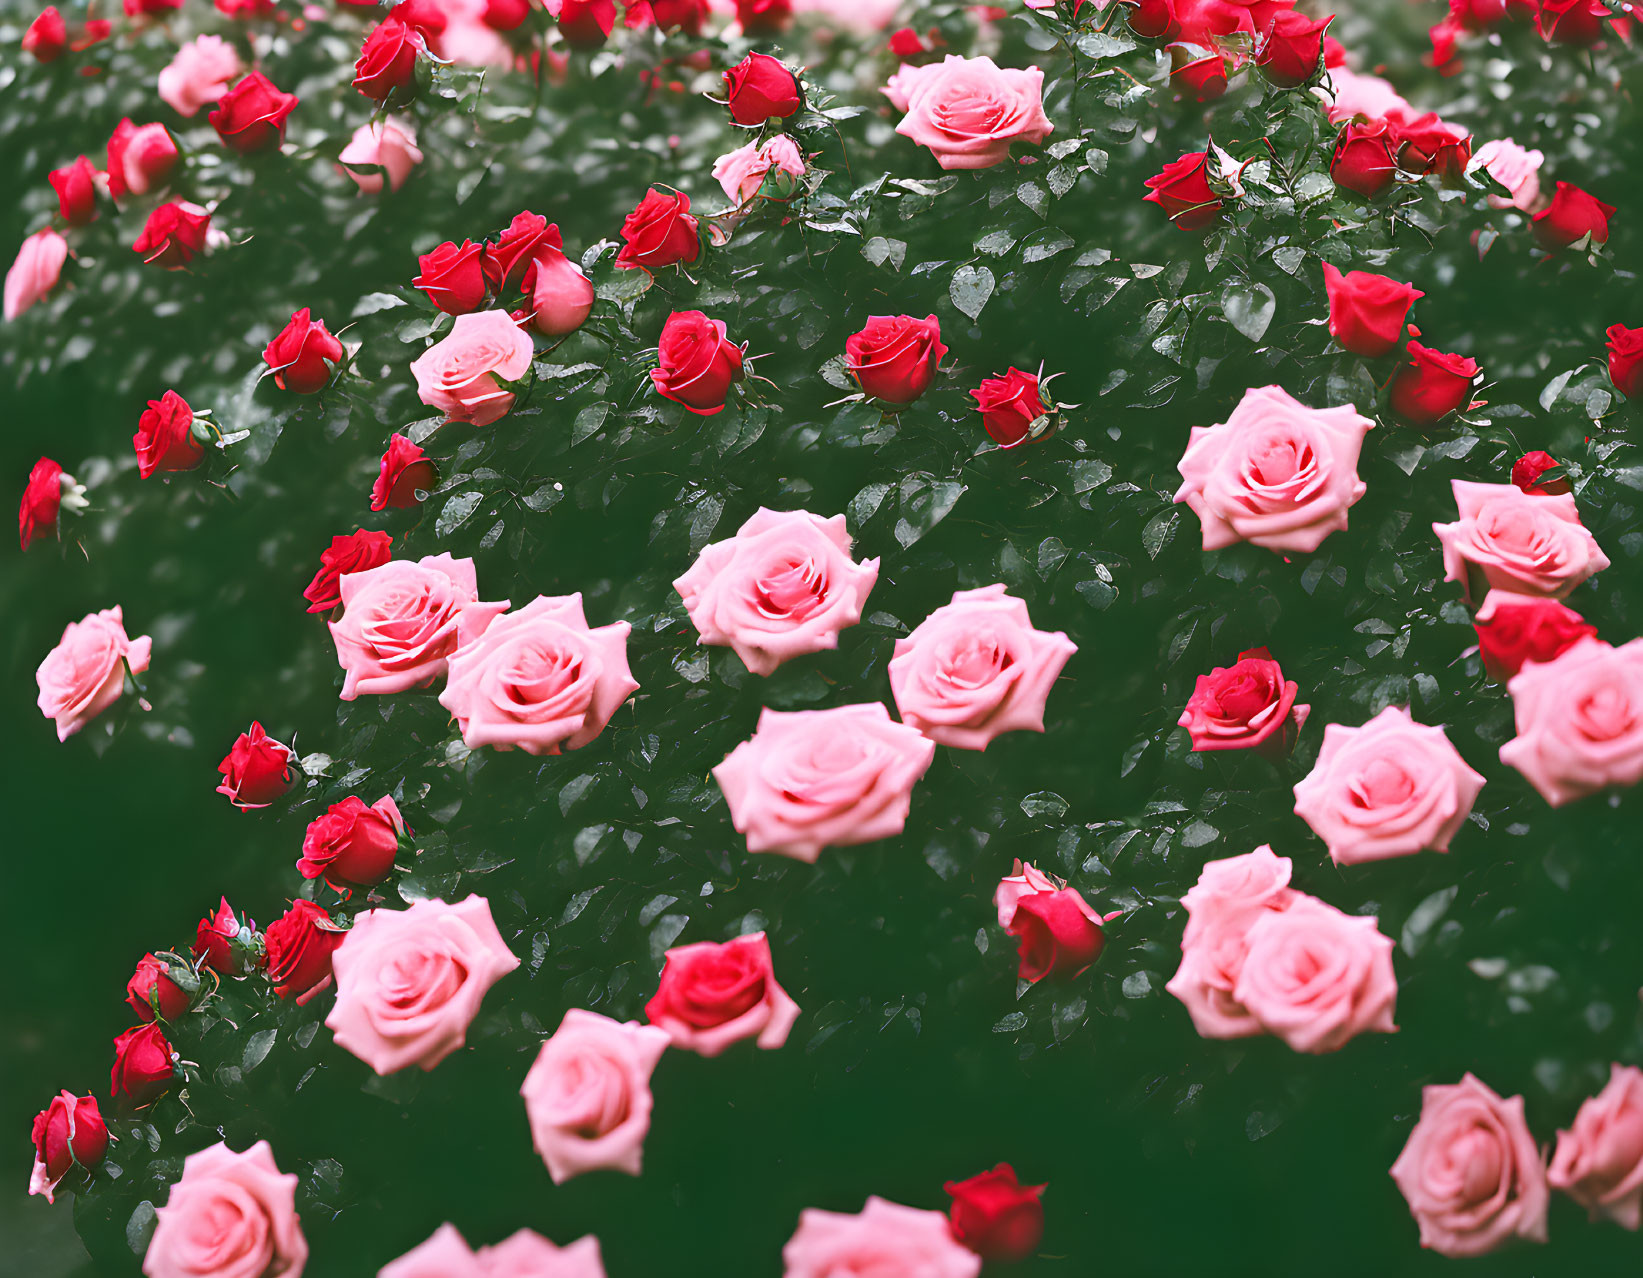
[
  {"x": 1527, "y": 470},
  {"x": 680, "y": 15},
  {"x": 405, "y": 468},
  {"x": 1292, "y": 52},
  {"x": 659, "y": 232},
  {"x": 257, "y": 770},
  {"x": 1197, "y": 73},
  {"x": 302, "y": 354},
  {"x": 1429, "y": 146},
  {"x": 144, "y": 1065},
  {"x": 351, "y": 845},
  {"x": 1152, "y": 19},
  {"x": 907, "y": 43},
  {"x": 1432, "y": 385},
  {"x": 1009, "y": 406},
  {"x": 93, "y": 32},
  {"x": 1367, "y": 311},
  {"x": 1572, "y": 215},
  {"x": 586, "y": 24},
  {"x": 139, "y": 159},
  {"x": 996, "y": 1216},
  {"x": 1059, "y": 935},
  {"x": 251, "y": 116},
  {"x": 225, "y": 944},
  {"x": 152, "y": 991},
  {"x": 453, "y": 277},
  {"x": 760, "y": 88},
  {"x": 423, "y": 15},
  {"x": 1247, "y": 705},
  {"x": 68, "y": 1133},
  {"x": 174, "y": 233},
  {"x": 895, "y": 358},
  {"x": 300, "y": 946},
  {"x": 49, "y": 491},
  {"x": 528, "y": 236},
  {"x": 506, "y": 15},
  {"x": 1514, "y": 629},
  {"x": 47, "y": 36},
  {"x": 387, "y": 60},
  {"x": 357, "y": 552},
  {"x": 1183, "y": 191},
  {"x": 76, "y": 188},
  {"x": 696, "y": 363},
  {"x": 165, "y": 438},
  {"x": 764, "y": 17},
  {"x": 1626, "y": 359},
  {"x": 1578, "y": 22},
  {"x": 1363, "y": 161}
]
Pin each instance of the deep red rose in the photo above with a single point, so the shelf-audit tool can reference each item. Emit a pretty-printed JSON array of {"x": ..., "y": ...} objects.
[
  {"x": 165, "y": 436},
  {"x": 1363, "y": 160},
  {"x": 68, "y": 1133},
  {"x": 685, "y": 16},
  {"x": 1571, "y": 21},
  {"x": 405, "y": 468},
  {"x": 587, "y": 24},
  {"x": 425, "y": 15},
  {"x": 47, "y": 36},
  {"x": 453, "y": 277},
  {"x": 506, "y": 15},
  {"x": 696, "y": 363},
  {"x": 76, "y": 188},
  {"x": 760, "y": 88},
  {"x": 300, "y": 945},
  {"x": 1626, "y": 359},
  {"x": 42, "y": 500},
  {"x": 387, "y": 60},
  {"x": 764, "y": 17},
  {"x": 352, "y": 845},
  {"x": 1247, "y": 705},
  {"x": 1572, "y": 215},
  {"x": 1152, "y": 19},
  {"x": 251, "y": 116},
  {"x": 1292, "y": 50},
  {"x": 907, "y": 43},
  {"x": 1527, "y": 470},
  {"x": 1334, "y": 53},
  {"x": 138, "y": 158},
  {"x": 1183, "y": 191},
  {"x": 356, "y": 552},
  {"x": 151, "y": 991},
  {"x": 996, "y": 1216},
  {"x": 256, "y": 771},
  {"x": 528, "y": 236},
  {"x": 1197, "y": 73},
  {"x": 173, "y": 234},
  {"x": 1009, "y": 405},
  {"x": 1426, "y": 146},
  {"x": 895, "y": 358},
  {"x": 1367, "y": 311},
  {"x": 1432, "y": 385},
  {"x": 1056, "y": 935},
  {"x": 138, "y": 8},
  {"x": 299, "y": 355},
  {"x": 709, "y": 987},
  {"x": 216, "y": 941},
  {"x": 143, "y": 1065},
  {"x": 660, "y": 232},
  {"x": 1444, "y": 36},
  {"x": 1514, "y": 629},
  {"x": 93, "y": 32},
  {"x": 245, "y": 10}
]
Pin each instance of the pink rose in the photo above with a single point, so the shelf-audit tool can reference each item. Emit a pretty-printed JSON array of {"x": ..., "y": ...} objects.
[
  {"x": 1515, "y": 168},
  {"x": 200, "y": 74},
  {"x": 561, "y": 295},
  {"x": 540, "y": 679},
  {"x": 467, "y": 40},
  {"x": 1579, "y": 719},
  {"x": 458, "y": 375},
  {"x": 35, "y": 272},
  {"x": 784, "y": 585},
  {"x": 1276, "y": 473},
  {"x": 1531, "y": 544},
  {"x": 527, "y": 1254},
  {"x": 969, "y": 110},
  {"x": 975, "y": 668},
  {"x": 1368, "y": 96},
  {"x": 810, "y": 779},
  {"x": 1599, "y": 1160},
  {"x": 884, "y": 1238},
  {"x": 399, "y": 622},
  {"x": 1389, "y": 788},
  {"x": 391, "y": 145},
  {"x": 443, "y": 1254},
  {"x": 1471, "y": 1172},
  {"x": 712, "y": 994},
  {"x": 409, "y": 982},
  {"x": 229, "y": 1216},
  {"x": 901, "y": 86},
  {"x": 742, "y": 172},
  {"x": 588, "y": 1094},
  {"x": 140, "y": 157},
  {"x": 85, "y": 673}
]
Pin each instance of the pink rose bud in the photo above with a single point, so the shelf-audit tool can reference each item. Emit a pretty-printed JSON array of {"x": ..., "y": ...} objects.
[
  {"x": 85, "y": 673},
  {"x": 139, "y": 159},
  {"x": 389, "y": 145},
  {"x": 36, "y": 271},
  {"x": 561, "y": 296}
]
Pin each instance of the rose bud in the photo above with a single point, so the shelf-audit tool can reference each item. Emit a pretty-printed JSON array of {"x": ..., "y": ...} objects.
[
  {"x": 225, "y": 944},
  {"x": 199, "y": 74},
  {"x": 68, "y": 1133},
  {"x": 352, "y": 845},
  {"x": 1432, "y": 385},
  {"x": 49, "y": 491},
  {"x": 357, "y": 552},
  {"x": 251, "y": 116},
  {"x": 586, "y": 24},
  {"x": 302, "y": 355},
  {"x": 1626, "y": 359},
  {"x": 139, "y": 159},
  {"x": 47, "y": 36},
  {"x": 173, "y": 234},
  {"x": 1577, "y": 22},
  {"x": 895, "y": 357},
  {"x": 35, "y": 272},
  {"x": 713, "y": 994},
  {"x": 1247, "y": 705},
  {"x": 696, "y": 363},
  {"x": 1599, "y": 1159},
  {"x": 144, "y": 1065},
  {"x": 659, "y": 232},
  {"x": 76, "y": 189},
  {"x": 1572, "y": 216},
  {"x": 764, "y": 17},
  {"x": 996, "y": 1216},
  {"x": 387, "y": 60},
  {"x": 1363, "y": 160},
  {"x": 685, "y": 16},
  {"x": 1429, "y": 146},
  {"x": 165, "y": 438},
  {"x": 1009, "y": 406},
  {"x": 907, "y": 43},
  {"x": 561, "y": 296},
  {"x": 425, "y": 16},
  {"x": 300, "y": 944},
  {"x": 1291, "y": 54},
  {"x": 1367, "y": 311},
  {"x": 760, "y": 88},
  {"x": 1152, "y": 19},
  {"x": 405, "y": 468},
  {"x": 506, "y": 15},
  {"x": 1197, "y": 73},
  {"x": 453, "y": 278},
  {"x": 1183, "y": 191},
  {"x": 1527, "y": 470},
  {"x": 256, "y": 771},
  {"x": 388, "y": 145},
  {"x": 152, "y": 992},
  {"x": 1059, "y": 934},
  {"x": 528, "y": 235},
  {"x": 1513, "y": 629}
]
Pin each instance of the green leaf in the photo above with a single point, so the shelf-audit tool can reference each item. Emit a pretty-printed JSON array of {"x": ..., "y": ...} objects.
[
  {"x": 1424, "y": 917},
  {"x": 589, "y": 420},
  {"x": 1249, "y": 308},
  {"x": 457, "y": 512},
  {"x": 140, "y": 1228},
  {"x": 257, "y": 1048},
  {"x": 970, "y": 289}
]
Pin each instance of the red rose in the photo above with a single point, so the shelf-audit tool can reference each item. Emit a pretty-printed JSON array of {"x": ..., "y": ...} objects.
[
  {"x": 76, "y": 189},
  {"x": 94, "y": 31},
  {"x": 137, "y": 8},
  {"x": 764, "y": 17},
  {"x": 1009, "y": 405},
  {"x": 353, "y": 845},
  {"x": 1152, "y": 19},
  {"x": 302, "y": 354},
  {"x": 144, "y": 1065},
  {"x": 47, "y": 36},
  {"x": 1292, "y": 50},
  {"x": 138, "y": 158},
  {"x": 1513, "y": 629},
  {"x": 996, "y": 1216},
  {"x": 251, "y": 116},
  {"x": 1367, "y": 311},
  {"x": 256, "y": 771},
  {"x": 356, "y": 552},
  {"x": 907, "y": 43},
  {"x": 1432, "y": 385},
  {"x": 217, "y": 941},
  {"x": 387, "y": 60},
  {"x": 1363, "y": 160},
  {"x": 1182, "y": 190},
  {"x": 1246, "y": 705},
  {"x": 586, "y": 24},
  {"x": 686, "y": 16},
  {"x": 173, "y": 234},
  {"x": 1428, "y": 146},
  {"x": 1527, "y": 470},
  {"x": 300, "y": 945},
  {"x": 42, "y": 500},
  {"x": 68, "y": 1133},
  {"x": 714, "y": 994},
  {"x": 1626, "y": 359},
  {"x": 453, "y": 277},
  {"x": 696, "y": 363},
  {"x": 165, "y": 436},
  {"x": 527, "y": 236},
  {"x": 245, "y": 10},
  {"x": 760, "y": 88},
  {"x": 506, "y": 15},
  {"x": 405, "y": 468},
  {"x": 1571, "y": 21},
  {"x": 151, "y": 991},
  {"x": 1572, "y": 215},
  {"x": 660, "y": 232},
  {"x": 424, "y": 15},
  {"x": 1057, "y": 935},
  {"x": 1197, "y": 73},
  {"x": 895, "y": 358}
]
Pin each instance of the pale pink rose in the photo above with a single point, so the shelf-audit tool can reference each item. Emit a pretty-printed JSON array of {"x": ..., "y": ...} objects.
[
  {"x": 883, "y": 1240},
  {"x": 561, "y": 296},
  {"x": 784, "y": 585},
  {"x": 1389, "y": 788},
  {"x": 743, "y": 170},
  {"x": 1238, "y": 888},
  {"x": 901, "y": 86},
  {"x": 1276, "y": 473},
  {"x": 444, "y": 1254},
  {"x": 588, "y": 1094},
  {"x": 1022, "y": 881},
  {"x": 540, "y": 679},
  {"x": 36, "y": 270},
  {"x": 810, "y": 779},
  {"x": 1471, "y": 1172},
  {"x": 975, "y": 668},
  {"x": 968, "y": 111},
  {"x": 200, "y": 74},
  {"x": 1514, "y": 167},
  {"x": 1368, "y": 96},
  {"x": 458, "y": 375},
  {"x": 467, "y": 40},
  {"x": 1599, "y": 1160},
  {"x": 85, "y": 673},
  {"x": 399, "y": 622},
  {"x": 229, "y": 1216},
  {"x": 1579, "y": 720},
  {"x": 409, "y": 982},
  {"x": 527, "y": 1254},
  {"x": 1531, "y": 544},
  {"x": 389, "y": 144}
]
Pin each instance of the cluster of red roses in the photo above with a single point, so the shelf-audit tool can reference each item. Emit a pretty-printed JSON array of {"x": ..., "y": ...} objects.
[{"x": 1572, "y": 22}]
